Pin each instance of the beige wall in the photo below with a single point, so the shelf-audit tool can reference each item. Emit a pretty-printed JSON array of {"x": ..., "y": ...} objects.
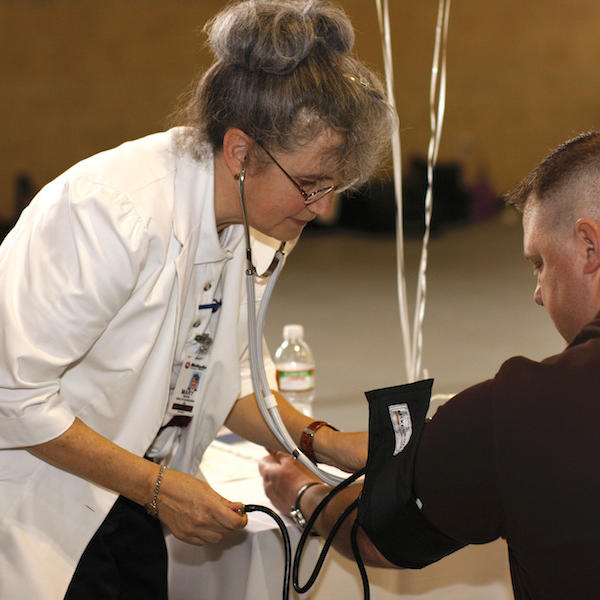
[{"x": 79, "y": 76}]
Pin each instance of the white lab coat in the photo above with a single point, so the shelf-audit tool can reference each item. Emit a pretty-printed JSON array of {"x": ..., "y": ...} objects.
[{"x": 93, "y": 283}]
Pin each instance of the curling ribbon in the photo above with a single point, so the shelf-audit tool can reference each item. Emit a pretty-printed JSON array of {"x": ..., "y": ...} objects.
[
  {"x": 437, "y": 103},
  {"x": 383, "y": 17}
]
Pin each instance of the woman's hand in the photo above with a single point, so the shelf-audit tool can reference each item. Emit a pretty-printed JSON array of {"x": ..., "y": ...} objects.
[
  {"x": 194, "y": 512},
  {"x": 345, "y": 450}
]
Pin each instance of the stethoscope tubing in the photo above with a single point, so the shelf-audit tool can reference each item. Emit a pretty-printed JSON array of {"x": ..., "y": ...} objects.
[{"x": 266, "y": 401}]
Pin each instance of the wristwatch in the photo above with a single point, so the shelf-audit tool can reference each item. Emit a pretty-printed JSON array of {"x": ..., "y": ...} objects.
[
  {"x": 295, "y": 512},
  {"x": 307, "y": 436}
]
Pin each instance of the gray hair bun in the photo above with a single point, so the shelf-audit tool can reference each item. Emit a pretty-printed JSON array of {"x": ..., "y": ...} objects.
[{"x": 275, "y": 36}]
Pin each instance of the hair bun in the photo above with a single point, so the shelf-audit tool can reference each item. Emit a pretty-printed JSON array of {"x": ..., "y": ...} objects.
[{"x": 275, "y": 36}]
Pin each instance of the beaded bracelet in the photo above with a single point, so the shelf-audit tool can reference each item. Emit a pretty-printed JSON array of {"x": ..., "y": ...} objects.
[{"x": 151, "y": 507}]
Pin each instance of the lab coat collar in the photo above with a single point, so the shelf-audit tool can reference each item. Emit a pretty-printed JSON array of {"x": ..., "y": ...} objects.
[
  {"x": 194, "y": 214},
  {"x": 195, "y": 221}
]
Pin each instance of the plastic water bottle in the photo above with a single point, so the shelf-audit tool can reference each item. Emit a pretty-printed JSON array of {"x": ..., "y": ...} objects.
[{"x": 296, "y": 369}]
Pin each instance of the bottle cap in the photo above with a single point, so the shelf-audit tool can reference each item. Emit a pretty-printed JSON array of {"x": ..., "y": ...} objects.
[{"x": 293, "y": 332}]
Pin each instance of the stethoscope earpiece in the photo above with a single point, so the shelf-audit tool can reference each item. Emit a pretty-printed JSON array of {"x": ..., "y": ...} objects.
[{"x": 242, "y": 173}]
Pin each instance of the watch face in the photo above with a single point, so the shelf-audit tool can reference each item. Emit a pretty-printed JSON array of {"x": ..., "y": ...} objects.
[{"x": 298, "y": 517}]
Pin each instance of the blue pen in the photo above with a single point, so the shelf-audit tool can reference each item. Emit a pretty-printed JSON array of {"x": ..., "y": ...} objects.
[{"x": 214, "y": 306}]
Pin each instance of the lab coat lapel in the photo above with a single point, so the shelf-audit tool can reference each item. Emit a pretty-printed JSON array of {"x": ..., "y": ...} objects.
[
  {"x": 195, "y": 229},
  {"x": 194, "y": 203}
]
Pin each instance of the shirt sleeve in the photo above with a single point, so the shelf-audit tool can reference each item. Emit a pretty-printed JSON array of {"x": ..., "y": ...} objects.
[
  {"x": 65, "y": 270},
  {"x": 455, "y": 473}
]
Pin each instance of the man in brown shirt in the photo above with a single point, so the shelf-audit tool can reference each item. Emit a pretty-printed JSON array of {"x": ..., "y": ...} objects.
[{"x": 515, "y": 456}]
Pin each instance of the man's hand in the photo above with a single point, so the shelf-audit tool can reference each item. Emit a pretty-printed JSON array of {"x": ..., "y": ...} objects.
[{"x": 282, "y": 478}]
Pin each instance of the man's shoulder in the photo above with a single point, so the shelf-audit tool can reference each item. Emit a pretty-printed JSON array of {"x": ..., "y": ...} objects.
[
  {"x": 577, "y": 358},
  {"x": 573, "y": 373}
]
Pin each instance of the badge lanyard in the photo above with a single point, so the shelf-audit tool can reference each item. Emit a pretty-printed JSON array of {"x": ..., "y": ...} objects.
[{"x": 186, "y": 394}]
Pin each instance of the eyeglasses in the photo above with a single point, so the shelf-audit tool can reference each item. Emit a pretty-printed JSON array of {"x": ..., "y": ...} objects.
[{"x": 308, "y": 197}]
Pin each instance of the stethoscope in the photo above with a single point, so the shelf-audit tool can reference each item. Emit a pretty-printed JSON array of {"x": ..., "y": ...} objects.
[
  {"x": 267, "y": 404},
  {"x": 266, "y": 401}
]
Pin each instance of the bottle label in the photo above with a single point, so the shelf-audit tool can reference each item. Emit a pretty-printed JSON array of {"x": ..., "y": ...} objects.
[{"x": 296, "y": 381}]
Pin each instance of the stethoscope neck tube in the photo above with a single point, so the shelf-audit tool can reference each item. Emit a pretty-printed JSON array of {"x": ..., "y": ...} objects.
[
  {"x": 265, "y": 400},
  {"x": 241, "y": 179}
]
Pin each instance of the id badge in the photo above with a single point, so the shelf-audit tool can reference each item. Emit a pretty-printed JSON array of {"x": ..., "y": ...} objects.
[{"x": 187, "y": 388}]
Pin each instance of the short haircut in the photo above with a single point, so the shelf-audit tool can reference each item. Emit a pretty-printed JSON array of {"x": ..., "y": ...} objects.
[{"x": 575, "y": 162}]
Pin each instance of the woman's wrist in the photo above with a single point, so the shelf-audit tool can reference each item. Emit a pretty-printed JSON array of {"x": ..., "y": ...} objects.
[
  {"x": 324, "y": 445},
  {"x": 152, "y": 507},
  {"x": 316, "y": 441},
  {"x": 345, "y": 450}
]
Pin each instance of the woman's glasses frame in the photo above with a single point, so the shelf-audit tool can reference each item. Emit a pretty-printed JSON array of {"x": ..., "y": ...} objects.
[{"x": 308, "y": 197}]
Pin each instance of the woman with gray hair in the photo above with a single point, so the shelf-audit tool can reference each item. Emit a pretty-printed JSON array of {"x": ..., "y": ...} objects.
[{"x": 123, "y": 283}]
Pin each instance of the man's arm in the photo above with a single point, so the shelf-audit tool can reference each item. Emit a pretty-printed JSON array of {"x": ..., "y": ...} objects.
[
  {"x": 192, "y": 510},
  {"x": 455, "y": 480},
  {"x": 283, "y": 477}
]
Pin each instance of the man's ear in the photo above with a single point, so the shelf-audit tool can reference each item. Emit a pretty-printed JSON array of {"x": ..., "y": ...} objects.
[
  {"x": 236, "y": 149},
  {"x": 588, "y": 235}
]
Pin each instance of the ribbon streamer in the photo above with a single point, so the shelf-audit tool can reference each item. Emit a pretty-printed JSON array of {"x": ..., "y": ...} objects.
[
  {"x": 436, "y": 118},
  {"x": 383, "y": 17},
  {"x": 413, "y": 352}
]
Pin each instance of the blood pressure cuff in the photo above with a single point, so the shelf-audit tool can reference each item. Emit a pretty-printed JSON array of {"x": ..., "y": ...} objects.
[{"x": 387, "y": 509}]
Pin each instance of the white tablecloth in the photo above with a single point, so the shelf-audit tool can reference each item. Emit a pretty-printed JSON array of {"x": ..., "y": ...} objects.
[{"x": 248, "y": 565}]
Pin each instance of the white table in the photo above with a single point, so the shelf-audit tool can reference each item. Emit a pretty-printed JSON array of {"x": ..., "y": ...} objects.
[{"x": 248, "y": 565}]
